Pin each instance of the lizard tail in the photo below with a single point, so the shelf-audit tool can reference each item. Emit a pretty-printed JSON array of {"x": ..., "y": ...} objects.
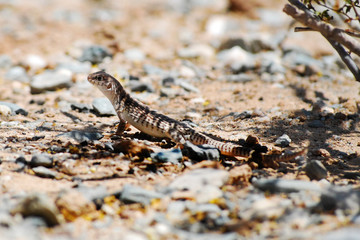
[
  {"x": 283, "y": 157},
  {"x": 237, "y": 151}
]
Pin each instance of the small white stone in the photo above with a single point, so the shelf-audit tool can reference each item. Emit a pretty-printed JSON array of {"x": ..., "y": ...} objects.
[
  {"x": 35, "y": 62},
  {"x": 5, "y": 111}
]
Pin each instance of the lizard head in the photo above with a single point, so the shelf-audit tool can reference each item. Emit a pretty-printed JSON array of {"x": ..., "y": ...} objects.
[{"x": 105, "y": 82}]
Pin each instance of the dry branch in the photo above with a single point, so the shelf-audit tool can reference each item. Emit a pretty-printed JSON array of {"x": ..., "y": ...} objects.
[{"x": 336, "y": 36}]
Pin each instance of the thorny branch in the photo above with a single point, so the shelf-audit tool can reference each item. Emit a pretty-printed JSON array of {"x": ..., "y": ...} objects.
[{"x": 336, "y": 36}]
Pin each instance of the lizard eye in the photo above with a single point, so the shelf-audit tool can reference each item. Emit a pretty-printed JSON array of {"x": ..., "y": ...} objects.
[{"x": 98, "y": 78}]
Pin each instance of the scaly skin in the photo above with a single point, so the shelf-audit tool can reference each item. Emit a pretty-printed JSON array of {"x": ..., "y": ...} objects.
[{"x": 129, "y": 110}]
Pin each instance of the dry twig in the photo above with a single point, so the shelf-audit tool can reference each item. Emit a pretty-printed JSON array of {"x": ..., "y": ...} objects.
[{"x": 336, "y": 36}]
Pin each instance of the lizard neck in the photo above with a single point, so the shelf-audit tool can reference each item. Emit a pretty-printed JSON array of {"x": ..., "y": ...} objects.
[{"x": 114, "y": 92}]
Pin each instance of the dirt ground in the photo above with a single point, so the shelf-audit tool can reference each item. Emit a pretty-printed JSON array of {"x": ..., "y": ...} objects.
[{"x": 283, "y": 107}]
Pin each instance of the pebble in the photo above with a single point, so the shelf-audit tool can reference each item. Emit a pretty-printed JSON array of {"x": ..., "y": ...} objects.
[
  {"x": 41, "y": 160},
  {"x": 133, "y": 194},
  {"x": 17, "y": 73},
  {"x": 153, "y": 70},
  {"x": 237, "y": 78},
  {"x": 273, "y": 17},
  {"x": 168, "y": 82},
  {"x": 134, "y": 55},
  {"x": 315, "y": 170},
  {"x": 254, "y": 43},
  {"x": 173, "y": 156},
  {"x": 50, "y": 81},
  {"x": 204, "y": 183},
  {"x": 15, "y": 109},
  {"x": 240, "y": 174},
  {"x": 38, "y": 205},
  {"x": 238, "y": 59},
  {"x": 21, "y": 160},
  {"x": 82, "y": 136},
  {"x": 94, "y": 194},
  {"x": 5, "y": 61},
  {"x": 74, "y": 204},
  {"x": 35, "y": 62},
  {"x": 187, "y": 72},
  {"x": 243, "y": 115},
  {"x": 348, "y": 233},
  {"x": 342, "y": 198},
  {"x": 286, "y": 186},
  {"x": 316, "y": 124},
  {"x": 271, "y": 62},
  {"x": 94, "y": 54},
  {"x": 200, "y": 152},
  {"x": 197, "y": 178},
  {"x": 193, "y": 115},
  {"x": 44, "y": 172},
  {"x": 75, "y": 66},
  {"x": 187, "y": 86},
  {"x": 169, "y": 92},
  {"x": 5, "y": 111},
  {"x": 196, "y": 51},
  {"x": 103, "y": 107},
  {"x": 267, "y": 208},
  {"x": 295, "y": 57},
  {"x": 217, "y": 25},
  {"x": 137, "y": 86},
  {"x": 81, "y": 107},
  {"x": 283, "y": 141}
]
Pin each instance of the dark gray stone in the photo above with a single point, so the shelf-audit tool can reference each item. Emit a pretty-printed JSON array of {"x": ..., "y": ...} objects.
[
  {"x": 137, "y": 86},
  {"x": 316, "y": 124},
  {"x": 168, "y": 82},
  {"x": 315, "y": 170},
  {"x": 103, "y": 107},
  {"x": 50, "y": 81},
  {"x": 174, "y": 156},
  {"x": 200, "y": 152},
  {"x": 82, "y": 136},
  {"x": 81, "y": 107},
  {"x": 133, "y": 194},
  {"x": 95, "y": 54},
  {"x": 283, "y": 141},
  {"x": 15, "y": 109},
  {"x": 21, "y": 160},
  {"x": 243, "y": 115},
  {"x": 341, "y": 198},
  {"x": 41, "y": 160},
  {"x": 44, "y": 172}
]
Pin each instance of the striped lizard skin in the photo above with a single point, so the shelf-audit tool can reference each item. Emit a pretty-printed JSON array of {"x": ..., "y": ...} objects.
[{"x": 131, "y": 111}]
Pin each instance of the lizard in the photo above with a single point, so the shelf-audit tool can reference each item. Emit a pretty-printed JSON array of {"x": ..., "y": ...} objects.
[{"x": 133, "y": 112}]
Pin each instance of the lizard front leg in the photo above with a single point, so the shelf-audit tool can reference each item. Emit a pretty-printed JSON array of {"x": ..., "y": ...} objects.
[{"x": 123, "y": 125}]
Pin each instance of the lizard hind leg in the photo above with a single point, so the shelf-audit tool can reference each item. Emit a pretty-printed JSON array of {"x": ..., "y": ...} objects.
[{"x": 176, "y": 136}]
